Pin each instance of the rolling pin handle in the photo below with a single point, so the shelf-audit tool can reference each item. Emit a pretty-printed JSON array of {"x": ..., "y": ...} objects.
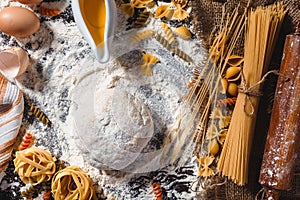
[{"x": 297, "y": 31}]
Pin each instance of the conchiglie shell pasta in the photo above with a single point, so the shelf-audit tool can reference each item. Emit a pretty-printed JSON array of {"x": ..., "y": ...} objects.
[
  {"x": 223, "y": 85},
  {"x": 235, "y": 60},
  {"x": 232, "y": 89},
  {"x": 213, "y": 147},
  {"x": 232, "y": 72},
  {"x": 183, "y": 32}
]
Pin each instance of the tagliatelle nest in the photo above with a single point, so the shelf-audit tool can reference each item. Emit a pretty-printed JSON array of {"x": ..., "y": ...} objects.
[
  {"x": 34, "y": 165},
  {"x": 72, "y": 183}
]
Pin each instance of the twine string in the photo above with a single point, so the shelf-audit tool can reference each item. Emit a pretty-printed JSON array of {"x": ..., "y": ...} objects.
[
  {"x": 253, "y": 91},
  {"x": 261, "y": 192}
]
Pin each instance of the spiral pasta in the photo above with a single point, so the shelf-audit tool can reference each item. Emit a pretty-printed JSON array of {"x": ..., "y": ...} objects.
[
  {"x": 142, "y": 35},
  {"x": 39, "y": 114},
  {"x": 141, "y": 19},
  {"x": 157, "y": 191},
  {"x": 47, "y": 195},
  {"x": 72, "y": 183},
  {"x": 49, "y": 12},
  {"x": 34, "y": 165},
  {"x": 27, "y": 141},
  {"x": 168, "y": 32}
]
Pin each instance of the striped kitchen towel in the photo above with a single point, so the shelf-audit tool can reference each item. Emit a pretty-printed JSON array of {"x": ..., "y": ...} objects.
[{"x": 11, "y": 113}]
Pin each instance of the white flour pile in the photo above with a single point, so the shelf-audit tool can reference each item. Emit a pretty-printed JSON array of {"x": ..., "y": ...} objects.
[{"x": 63, "y": 79}]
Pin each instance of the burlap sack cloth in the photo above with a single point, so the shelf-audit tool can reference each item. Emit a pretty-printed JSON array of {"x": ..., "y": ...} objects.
[{"x": 206, "y": 19}]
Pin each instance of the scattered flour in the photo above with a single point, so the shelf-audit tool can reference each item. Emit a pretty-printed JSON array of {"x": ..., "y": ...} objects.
[{"x": 61, "y": 62}]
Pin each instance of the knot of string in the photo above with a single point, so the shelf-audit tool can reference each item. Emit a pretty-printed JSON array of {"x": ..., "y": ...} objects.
[{"x": 253, "y": 90}]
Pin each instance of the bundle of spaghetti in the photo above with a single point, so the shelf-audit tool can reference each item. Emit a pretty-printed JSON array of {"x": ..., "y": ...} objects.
[
  {"x": 72, "y": 183},
  {"x": 204, "y": 90},
  {"x": 262, "y": 29},
  {"x": 34, "y": 165}
]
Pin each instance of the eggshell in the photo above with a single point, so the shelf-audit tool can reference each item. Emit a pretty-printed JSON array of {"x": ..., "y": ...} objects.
[
  {"x": 13, "y": 62},
  {"x": 18, "y": 21},
  {"x": 30, "y": 1}
]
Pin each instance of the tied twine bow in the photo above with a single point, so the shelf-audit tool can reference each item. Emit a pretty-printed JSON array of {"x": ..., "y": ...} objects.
[{"x": 252, "y": 91}]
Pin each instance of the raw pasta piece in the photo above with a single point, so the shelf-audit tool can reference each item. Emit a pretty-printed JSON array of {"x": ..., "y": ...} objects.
[
  {"x": 39, "y": 114},
  {"x": 26, "y": 141},
  {"x": 164, "y": 11},
  {"x": 212, "y": 132},
  {"x": 142, "y": 35},
  {"x": 141, "y": 19},
  {"x": 168, "y": 32},
  {"x": 34, "y": 165},
  {"x": 72, "y": 183},
  {"x": 235, "y": 60},
  {"x": 141, "y": 3},
  {"x": 157, "y": 191},
  {"x": 181, "y": 14},
  {"x": 128, "y": 8},
  {"x": 179, "y": 3},
  {"x": 50, "y": 12},
  {"x": 149, "y": 60},
  {"x": 183, "y": 32},
  {"x": 204, "y": 163}
]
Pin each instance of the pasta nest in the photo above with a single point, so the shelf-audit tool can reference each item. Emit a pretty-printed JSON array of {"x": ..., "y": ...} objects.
[
  {"x": 72, "y": 183},
  {"x": 34, "y": 165}
]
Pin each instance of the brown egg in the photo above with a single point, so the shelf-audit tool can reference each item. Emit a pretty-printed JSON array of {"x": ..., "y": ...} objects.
[
  {"x": 30, "y": 1},
  {"x": 18, "y": 22}
]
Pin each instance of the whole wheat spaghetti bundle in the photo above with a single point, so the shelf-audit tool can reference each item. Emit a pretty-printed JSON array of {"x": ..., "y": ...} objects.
[
  {"x": 188, "y": 139},
  {"x": 262, "y": 29}
]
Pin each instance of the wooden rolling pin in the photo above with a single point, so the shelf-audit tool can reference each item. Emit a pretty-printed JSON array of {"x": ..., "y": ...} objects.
[{"x": 283, "y": 138}]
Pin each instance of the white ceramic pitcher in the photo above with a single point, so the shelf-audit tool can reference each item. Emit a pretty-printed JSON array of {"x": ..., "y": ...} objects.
[{"x": 96, "y": 20}]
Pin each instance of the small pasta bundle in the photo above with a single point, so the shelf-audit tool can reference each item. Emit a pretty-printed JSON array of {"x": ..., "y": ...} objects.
[
  {"x": 34, "y": 165},
  {"x": 72, "y": 183}
]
